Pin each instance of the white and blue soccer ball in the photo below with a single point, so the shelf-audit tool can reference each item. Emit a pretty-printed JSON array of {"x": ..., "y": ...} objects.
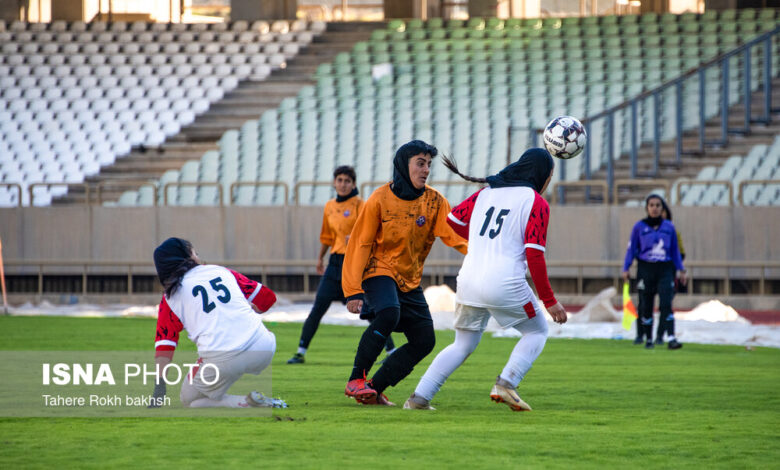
[{"x": 564, "y": 137}]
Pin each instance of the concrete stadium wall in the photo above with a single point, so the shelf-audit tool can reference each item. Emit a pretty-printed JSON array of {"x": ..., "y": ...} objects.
[{"x": 236, "y": 234}]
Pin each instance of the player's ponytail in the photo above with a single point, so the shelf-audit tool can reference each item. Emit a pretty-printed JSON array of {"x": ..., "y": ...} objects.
[{"x": 453, "y": 167}]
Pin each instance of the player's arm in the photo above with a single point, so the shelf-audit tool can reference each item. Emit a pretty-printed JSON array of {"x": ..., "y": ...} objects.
[
  {"x": 535, "y": 246},
  {"x": 327, "y": 239},
  {"x": 358, "y": 253},
  {"x": 631, "y": 250},
  {"x": 168, "y": 328},
  {"x": 259, "y": 296},
  {"x": 165, "y": 341},
  {"x": 677, "y": 257},
  {"x": 446, "y": 232},
  {"x": 460, "y": 217}
]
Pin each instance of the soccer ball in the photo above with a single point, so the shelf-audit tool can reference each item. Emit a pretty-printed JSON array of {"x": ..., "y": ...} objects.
[{"x": 564, "y": 137}]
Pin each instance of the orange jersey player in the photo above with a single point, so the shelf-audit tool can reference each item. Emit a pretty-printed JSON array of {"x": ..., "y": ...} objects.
[
  {"x": 383, "y": 266},
  {"x": 338, "y": 218}
]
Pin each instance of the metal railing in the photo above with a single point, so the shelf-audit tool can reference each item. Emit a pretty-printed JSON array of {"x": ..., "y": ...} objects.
[
  {"x": 560, "y": 187},
  {"x": 433, "y": 184},
  {"x": 694, "y": 182},
  {"x": 240, "y": 184},
  {"x": 671, "y": 116},
  {"x": 651, "y": 183},
  {"x": 103, "y": 185},
  {"x": 742, "y": 184},
  {"x": 196, "y": 184},
  {"x": 18, "y": 190},
  {"x": 297, "y": 187},
  {"x": 435, "y": 270}
]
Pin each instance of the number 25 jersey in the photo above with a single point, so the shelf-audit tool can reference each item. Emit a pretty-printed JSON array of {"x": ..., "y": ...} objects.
[
  {"x": 501, "y": 223},
  {"x": 212, "y": 304}
]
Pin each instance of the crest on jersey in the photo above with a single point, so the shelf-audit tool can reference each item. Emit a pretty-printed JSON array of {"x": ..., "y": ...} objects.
[
  {"x": 420, "y": 221},
  {"x": 346, "y": 213}
]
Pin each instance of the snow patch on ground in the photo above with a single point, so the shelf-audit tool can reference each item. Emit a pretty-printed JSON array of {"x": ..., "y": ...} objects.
[{"x": 711, "y": 322}]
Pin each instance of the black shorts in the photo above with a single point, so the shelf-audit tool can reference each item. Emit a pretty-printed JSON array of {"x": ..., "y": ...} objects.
[{"x": 382, "y": 292}]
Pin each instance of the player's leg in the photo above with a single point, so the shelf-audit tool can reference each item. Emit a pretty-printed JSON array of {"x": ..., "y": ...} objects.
[
  {"x": 646, "y": 289},
  {"x": 381, "y": 293},
  {"x": 534, "y": 336},
  {"x": 665, "y": 296},
  {"x": 470, "y": 323},
  {"x": 368, "y": 315},
  {"x": 215, "y": 376},
  {"x": 206, "y": 387},
  {"x": 328, "y": 291},
  {"x": 417, "y": 326}
]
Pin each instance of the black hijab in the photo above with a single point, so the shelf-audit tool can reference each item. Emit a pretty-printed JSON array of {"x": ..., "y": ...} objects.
[
  {"x": 350, "y": 195},
  {"x": 402, "y": 184},
  {"x": 656, "y": 221},
  {"x": 172, "y": 259},
  {"x": 531, "y": 170}
]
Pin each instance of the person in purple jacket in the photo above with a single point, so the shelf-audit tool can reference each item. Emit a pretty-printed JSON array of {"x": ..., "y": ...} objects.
[{"x": 654, "y": 244}]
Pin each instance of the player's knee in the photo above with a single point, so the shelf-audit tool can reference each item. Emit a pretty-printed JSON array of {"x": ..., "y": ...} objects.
[
  {"x": 425, "y": 344},
  {"x": 186, "y": 399}
]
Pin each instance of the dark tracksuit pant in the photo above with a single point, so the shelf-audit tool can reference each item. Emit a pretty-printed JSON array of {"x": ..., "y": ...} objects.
[
  {"x": 394, "y": 310},
  {"x": 329, "y": 291},
  {"x": 652, "y": 279}
]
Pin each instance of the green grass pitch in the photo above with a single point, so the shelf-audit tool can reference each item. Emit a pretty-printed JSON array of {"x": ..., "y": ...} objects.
[{"x": 597, "y": 403}]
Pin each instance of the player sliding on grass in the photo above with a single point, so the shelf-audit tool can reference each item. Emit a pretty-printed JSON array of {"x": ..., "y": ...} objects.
[
  {"x": 506, "y": 224},
  {"x": 338, "y": 218},
  {"x": 384, "y": 262},
  {"x": 217, "y": 308}
]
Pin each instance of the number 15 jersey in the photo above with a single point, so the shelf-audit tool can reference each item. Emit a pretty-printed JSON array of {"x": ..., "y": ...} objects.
[{"x": 499, "y": 223}]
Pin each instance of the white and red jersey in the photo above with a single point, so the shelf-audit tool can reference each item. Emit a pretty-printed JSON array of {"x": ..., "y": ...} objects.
[
  {"x": 501, "y": 224},
  {"x": 213, "y": 305}
]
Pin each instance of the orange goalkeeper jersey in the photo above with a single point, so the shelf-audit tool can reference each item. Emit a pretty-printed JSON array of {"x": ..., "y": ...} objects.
[
  {"x": 337, "y": 221},
  {"x": 392, "y": 237}
]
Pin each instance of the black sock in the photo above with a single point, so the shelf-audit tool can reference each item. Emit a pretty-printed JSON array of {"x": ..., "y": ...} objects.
[{"x": 390, "y": 344}]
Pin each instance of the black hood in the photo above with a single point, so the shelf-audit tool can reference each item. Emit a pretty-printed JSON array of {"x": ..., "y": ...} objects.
[
  {"x": 531, "y": 170},
  {"x": 171, "y": 257},
  {"x": 402, "y": 185}
]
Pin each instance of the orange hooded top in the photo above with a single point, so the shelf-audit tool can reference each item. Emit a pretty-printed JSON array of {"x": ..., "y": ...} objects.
[
  {"x": 337, "y": 221},
  {"x": 392, "y": 237}
]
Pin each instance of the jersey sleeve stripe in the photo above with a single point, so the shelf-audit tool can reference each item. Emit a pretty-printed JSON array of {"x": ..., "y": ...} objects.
[
  {"x": 165, "y": 342},
  {"x": 535, "y": 246},
  {"x": 256, "y": 291},
  {"x": 455, "y": 220}
]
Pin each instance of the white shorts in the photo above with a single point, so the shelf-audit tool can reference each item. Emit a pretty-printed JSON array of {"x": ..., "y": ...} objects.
[
  {"x": 472, "y": 318},
  {"x": 231, "y": 366}
]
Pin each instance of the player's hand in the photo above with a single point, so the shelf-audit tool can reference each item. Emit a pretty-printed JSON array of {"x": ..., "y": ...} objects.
[
  {"x": 159, "y": 392},
  {"x": 683, "y": 277},
  {"x": 355, "y": 306},
  {"x": 558, "y": 313},
  {"x": 625, "y": 276},
  {"x": 320, "y": 267}
]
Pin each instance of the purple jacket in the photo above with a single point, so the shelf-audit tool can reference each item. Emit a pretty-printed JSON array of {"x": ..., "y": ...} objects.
[{"x": 653, "y": 246}]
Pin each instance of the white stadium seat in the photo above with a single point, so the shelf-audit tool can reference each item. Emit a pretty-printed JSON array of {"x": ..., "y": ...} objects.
[{"x": 86, "y": 92}]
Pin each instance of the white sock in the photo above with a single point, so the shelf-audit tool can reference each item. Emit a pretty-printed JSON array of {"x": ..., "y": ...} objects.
[
  {"x": 445, "y": 363},
  {"x": 671, "y": 338},
  {"x": 227, "y": 401},
  {"x": 301, "y": 350},
  {"x": 526, "y": 350}
]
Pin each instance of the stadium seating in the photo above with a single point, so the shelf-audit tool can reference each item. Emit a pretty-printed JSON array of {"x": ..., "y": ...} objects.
[
  {"x": 761, "y": 163},
  {"x": 76, "y": 96},
  {"x": 461, "y": 85}
]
